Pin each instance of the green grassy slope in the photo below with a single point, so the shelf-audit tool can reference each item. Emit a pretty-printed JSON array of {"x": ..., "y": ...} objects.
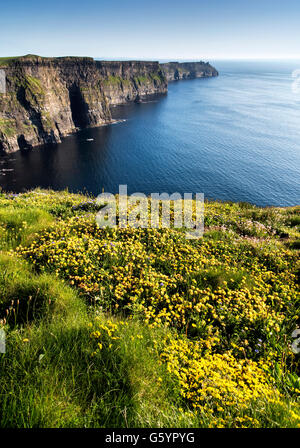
[{"x": 137, "y": 327}]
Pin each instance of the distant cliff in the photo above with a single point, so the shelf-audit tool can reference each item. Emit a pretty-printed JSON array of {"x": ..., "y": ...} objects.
[
  {"x": 188, "y": 70},
  {"x": 48, "y": 98}
]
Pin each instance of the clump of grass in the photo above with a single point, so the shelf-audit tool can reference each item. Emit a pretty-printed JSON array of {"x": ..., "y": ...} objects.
[
  {"x": 25, "y": 295},
  {"x": 56, "y": 379},
  {"x": 8, "y": 127},
  {"x": 18, "y": 226},
  {"x": 8, "y": 60}
]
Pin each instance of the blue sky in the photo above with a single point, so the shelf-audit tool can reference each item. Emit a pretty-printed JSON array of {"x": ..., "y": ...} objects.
[{"x": 152, "y": 29}]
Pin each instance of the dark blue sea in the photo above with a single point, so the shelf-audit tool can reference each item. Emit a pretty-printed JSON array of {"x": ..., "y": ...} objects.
[{"x": 235, "y": 137}]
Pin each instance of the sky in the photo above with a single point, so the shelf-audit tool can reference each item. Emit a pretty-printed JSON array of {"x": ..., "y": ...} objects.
[{"x": 152, "y": 29}]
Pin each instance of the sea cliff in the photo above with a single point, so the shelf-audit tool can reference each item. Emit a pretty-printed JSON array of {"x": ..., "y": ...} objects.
[
  {"x": 48, "y": 98},
  {"x": 175, "y": 71}
]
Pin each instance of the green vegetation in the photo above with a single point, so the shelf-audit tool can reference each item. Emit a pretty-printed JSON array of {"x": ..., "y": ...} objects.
[
  {"x": 47, "y": 121},
  {"x": 113, "y": 80},
  {"x": 11, "y": 59},
  {"x": 146, "y": 79},
  {"x": 34, "y": 91},
  {"x": 7, "y": 127},
  {"x": 143, "y": 327},
  {"x": 116, "y": 81},
  {"x": 142, "y": 79},
  {"x": 155, "y": 76},
  {"x": 34, "y": 84},
  {"x": 8, "y": 60}
]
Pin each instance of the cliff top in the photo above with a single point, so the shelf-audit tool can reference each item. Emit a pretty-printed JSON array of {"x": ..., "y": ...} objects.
[
  {"x": 10, "y": 60},
  {"x": 4, "y": 61},
  {"x": 184, "y": 62}
]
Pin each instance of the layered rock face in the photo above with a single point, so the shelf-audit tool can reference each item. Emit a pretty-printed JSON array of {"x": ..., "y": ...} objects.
[
  {"x": 131, "y": 80},
  {"x": 48, "y": 98},
  {"x": 175, "y": 71}
]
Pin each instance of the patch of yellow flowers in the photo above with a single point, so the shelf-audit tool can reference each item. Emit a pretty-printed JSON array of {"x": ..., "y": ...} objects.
[
  {"x": 217, "y": 387},
  {"x": 200, "y": 287},
  {"x": 214, "y": 381}
]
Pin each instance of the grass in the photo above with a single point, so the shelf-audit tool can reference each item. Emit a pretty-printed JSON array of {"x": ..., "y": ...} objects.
[
  {"x": 113, "y": 80},
  {"x": 34, "y": 84},
  {"x": 7, "y": 127},
  {"x": 25, "y": 295},
  {"x": 4, "y": 61},
  {"x": 20, "y": 227},
  {"x": 54, "y": 381},
  {"x": 116, "y": 80},
  {"x": 144, "y": 328},
  {"x": 142, "y": 79},
  {"x": 7, "y": 60}
]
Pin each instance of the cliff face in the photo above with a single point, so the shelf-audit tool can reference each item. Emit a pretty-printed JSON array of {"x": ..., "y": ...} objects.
[
  {"x": 48, "y": 98},
  {"x": 131, "y": 80},
  {"x": 188, "y": 70}
]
